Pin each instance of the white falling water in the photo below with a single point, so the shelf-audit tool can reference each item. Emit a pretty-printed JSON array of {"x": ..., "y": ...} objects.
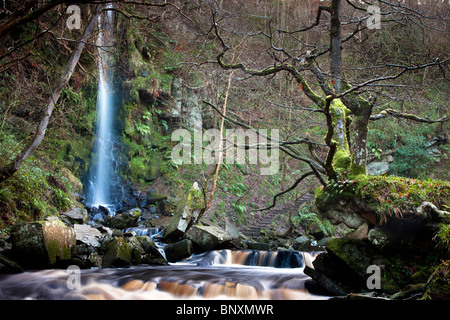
[{"x": 103, "y": 178}]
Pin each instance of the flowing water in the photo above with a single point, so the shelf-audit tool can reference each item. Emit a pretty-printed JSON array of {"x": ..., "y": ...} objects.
[
  {"x": 104, "y": 185},
  {"x": 223, "y": 274}
]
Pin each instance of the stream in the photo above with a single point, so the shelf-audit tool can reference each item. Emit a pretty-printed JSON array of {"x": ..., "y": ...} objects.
[{"x": 222, "y": 274}]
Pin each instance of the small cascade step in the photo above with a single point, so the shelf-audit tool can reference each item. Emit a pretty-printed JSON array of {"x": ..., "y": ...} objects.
[{"x": 254, "y": 231}]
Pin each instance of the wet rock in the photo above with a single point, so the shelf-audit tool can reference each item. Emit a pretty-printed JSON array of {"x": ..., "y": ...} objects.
[
  {"x": 9, "y": 266},
  {"x": 124, "y": 220},
  {"x": 88, "y": 235},
  {"x": 43, "y": 243},
  {"x": 137, "y": 250},
  {"x": 327, "y": 286},
  {"x": 208, "y": 237},
  {"x": 117, "y": 254},
  {"x": 98, "y": 217},
  {"x": 178, "y": 250},
  {"x": 303, "y": 243},
  {"x": 361, "y": 233},
  {"x": 258, "y": 246},
  {"x": 147, "y": 243},
  {"x": 76, "y": 215},
  {"x": 103, "y": 210}
]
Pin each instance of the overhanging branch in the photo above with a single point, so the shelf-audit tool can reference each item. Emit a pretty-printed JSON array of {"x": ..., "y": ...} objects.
[
  {"x": 296, "y": 183},
  {"x": 389, "y": 112}
]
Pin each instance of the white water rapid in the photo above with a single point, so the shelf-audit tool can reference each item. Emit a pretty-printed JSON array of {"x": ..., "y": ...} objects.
[{"x": 223, "y": 274}]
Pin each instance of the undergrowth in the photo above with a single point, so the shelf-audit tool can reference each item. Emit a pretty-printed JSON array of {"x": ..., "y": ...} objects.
[
  {"x": 35, "y": 190},
  {"x": 395, "y": 196}
]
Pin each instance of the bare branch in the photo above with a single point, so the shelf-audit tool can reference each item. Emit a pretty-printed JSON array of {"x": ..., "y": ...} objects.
[
  {"x": 296, "y": 183},
  {"x": 389, "y": 112}
]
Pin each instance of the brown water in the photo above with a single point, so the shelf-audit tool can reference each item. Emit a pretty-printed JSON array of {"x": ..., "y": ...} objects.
[{"x": 214, "y": 275}]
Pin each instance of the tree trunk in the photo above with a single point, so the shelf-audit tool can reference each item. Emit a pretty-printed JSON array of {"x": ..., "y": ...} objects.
[
  {"x": 361, "y": 110},
  {"x": 9, "y": 170},
  {"x": 335, "y": 45}
]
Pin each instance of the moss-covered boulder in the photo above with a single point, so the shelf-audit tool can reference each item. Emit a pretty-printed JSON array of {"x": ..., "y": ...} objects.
[
  {"x": 118, "y": 253},
  {"x": 188, "y": 210},
  {"x": 42, "y": 243},
  {"x": 350, "y": 265},
  {"x": 124, "y": 220},
  {"x": 356, "y": 254}
]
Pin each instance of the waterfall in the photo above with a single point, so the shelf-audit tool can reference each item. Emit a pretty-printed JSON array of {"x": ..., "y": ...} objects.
[{"x": 104, "y": 185}]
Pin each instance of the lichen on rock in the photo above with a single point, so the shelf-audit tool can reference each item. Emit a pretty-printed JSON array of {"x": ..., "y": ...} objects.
[{"x": 43, "y": 243}]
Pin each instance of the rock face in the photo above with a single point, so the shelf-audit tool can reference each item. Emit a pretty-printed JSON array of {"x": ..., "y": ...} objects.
[
  {"x": 208, "y": 237},
  {"x": 43, "y": 243}
]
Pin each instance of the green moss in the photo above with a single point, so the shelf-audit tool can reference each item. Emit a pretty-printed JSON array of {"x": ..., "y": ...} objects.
[
  {"x": 395, "y": 196},
  {"x": 356, "y": 172},
  {"x": 341, "y": 160}
]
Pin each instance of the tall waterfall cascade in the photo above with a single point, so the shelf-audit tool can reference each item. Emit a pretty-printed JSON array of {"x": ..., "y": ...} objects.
[{"x": 104, "y": 185}]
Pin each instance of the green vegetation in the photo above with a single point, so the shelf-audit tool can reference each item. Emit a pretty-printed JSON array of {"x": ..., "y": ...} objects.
[
  {"x": 35, "y": 191},
  {"x": 312, "y": 221},
  {"x": 396, "y": 196}
]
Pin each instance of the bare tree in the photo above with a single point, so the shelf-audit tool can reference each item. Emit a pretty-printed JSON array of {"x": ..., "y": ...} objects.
[{"x": 346, "y": 103}]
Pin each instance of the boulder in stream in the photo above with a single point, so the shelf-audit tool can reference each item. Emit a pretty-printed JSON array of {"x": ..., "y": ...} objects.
[
  {"x": 208, "y": 237},
  {"x": 178, "y": 250},
  {"x": 42, "y": 243},
  {"x": 88, "y": 235},
  {"x": 124, "y": 220},
  {"x": 118, "y": 254}
]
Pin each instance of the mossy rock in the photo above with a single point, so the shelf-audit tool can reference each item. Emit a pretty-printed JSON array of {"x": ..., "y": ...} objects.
[
  {"x": 43, "y": 243},
  {"x": 438, "y": 285},
  {"x": 187, "y": 210},
  {"x": 118, "y": 254},
  {"x": 124, "y": 220},
  {"x": 357, "y": 254},
  {"x": 179, "y": 250}
]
